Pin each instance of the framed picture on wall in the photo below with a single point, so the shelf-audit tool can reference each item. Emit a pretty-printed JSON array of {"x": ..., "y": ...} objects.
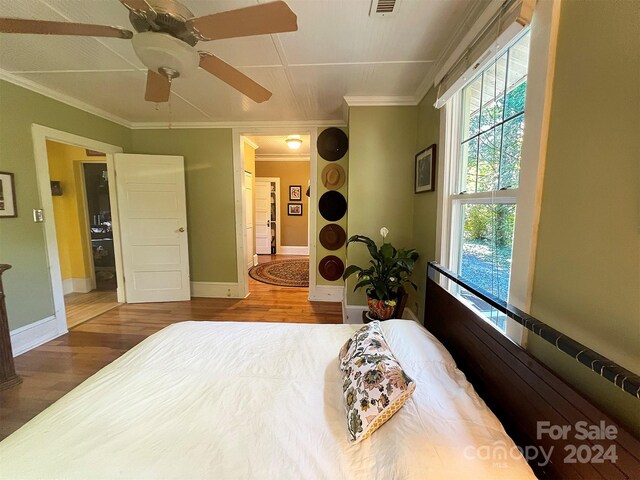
[
  {"x": 426, "y": 170},
  {"x": 7, "y": 195},
  {"x": 295, "y": 192},
  {"x": 295, "y": 209}
]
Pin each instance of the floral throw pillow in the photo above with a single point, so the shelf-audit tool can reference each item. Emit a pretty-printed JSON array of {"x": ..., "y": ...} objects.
[{"x": 374, "y": 384}]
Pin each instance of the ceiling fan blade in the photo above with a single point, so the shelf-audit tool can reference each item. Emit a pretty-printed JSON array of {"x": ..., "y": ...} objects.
[
  {"x": 234, "y": 77},
  {"x": 46, "y": 27},
  {"x": 273, "y": 17},
  {"x": 158, "y": 87},
  {"x": 138, "y": 6}
]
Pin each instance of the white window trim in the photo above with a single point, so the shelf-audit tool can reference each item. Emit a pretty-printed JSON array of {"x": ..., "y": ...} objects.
[{"x": 542, "y": 50}]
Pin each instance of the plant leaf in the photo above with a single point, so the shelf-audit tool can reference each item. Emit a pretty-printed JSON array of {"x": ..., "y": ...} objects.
[{"x": 351, "y": 269}]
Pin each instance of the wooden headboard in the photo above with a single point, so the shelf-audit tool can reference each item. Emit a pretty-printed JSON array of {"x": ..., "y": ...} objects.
[{"x": 532, "y": 402}]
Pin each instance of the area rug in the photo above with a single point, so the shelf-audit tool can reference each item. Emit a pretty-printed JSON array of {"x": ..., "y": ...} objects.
[{"x": 284, "y": 273}]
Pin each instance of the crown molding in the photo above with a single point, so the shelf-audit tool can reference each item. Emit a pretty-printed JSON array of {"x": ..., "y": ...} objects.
[
  {"x": 282, "y": 158},
  {"x": 61, "y": 97},
  {"x": 239, "y": 124},
  {"x": 379, "y": 100}
]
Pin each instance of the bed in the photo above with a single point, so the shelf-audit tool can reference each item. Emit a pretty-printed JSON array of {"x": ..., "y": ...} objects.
[{"x": 258, "y": 400}]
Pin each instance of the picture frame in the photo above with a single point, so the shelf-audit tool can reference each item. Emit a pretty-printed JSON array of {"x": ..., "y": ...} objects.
[
  {"x": 294, "y": 209},
  {"x": 8, "y": 208},
  {"x": 295, "y": 193},
  {"x": 425, "y": 170}
]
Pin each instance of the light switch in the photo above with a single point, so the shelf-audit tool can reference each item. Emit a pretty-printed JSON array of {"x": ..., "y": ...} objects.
[{"x": 38, "y": 215}]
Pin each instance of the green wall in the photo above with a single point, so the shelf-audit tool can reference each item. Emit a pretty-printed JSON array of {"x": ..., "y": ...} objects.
[
  {"x": 587, "y": 270},
  {"x": 382, "y": 143},
  {"x": 425, "y": 204},
  {"x": 208, "y": 156},
  {"x": 27, "y": 284}
]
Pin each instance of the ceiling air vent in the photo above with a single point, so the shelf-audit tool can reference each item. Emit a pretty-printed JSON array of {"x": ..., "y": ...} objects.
[{"x": 383, "y": 8}]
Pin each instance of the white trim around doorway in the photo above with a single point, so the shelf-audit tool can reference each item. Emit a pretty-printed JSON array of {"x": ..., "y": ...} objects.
[{"x": 40, "y": 135}]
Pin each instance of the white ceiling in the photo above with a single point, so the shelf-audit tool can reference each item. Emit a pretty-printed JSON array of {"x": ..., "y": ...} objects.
[
  {"x": 274, "y": 146},
  {"x": 338, "y": 51}
]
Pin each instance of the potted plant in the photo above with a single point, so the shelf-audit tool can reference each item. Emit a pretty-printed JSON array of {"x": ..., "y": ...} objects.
[{"x": 385, "y": 279}]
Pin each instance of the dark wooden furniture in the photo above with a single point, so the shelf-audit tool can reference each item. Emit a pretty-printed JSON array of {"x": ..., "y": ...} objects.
[
  {"x": 522, "y": 392},
  {"x": 8, "y": 377}
]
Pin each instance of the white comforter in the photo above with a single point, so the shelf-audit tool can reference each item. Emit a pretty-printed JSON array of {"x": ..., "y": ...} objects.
[{"x": 258, "y": 400}]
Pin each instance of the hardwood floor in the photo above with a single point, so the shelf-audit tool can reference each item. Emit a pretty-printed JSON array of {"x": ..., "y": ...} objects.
[
  {"x": 81, "y": 307},
  {"x": 55, "y": 368}
]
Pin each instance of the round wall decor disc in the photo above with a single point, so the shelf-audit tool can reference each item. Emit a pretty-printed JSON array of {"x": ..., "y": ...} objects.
[
  {"x": 332, "y": 236},
  {"x": 331, "y": 268},
  {"x": 332, "y": 144},
  {"x": 332, "y": 206},
  {"x": 333, "y": 176}
]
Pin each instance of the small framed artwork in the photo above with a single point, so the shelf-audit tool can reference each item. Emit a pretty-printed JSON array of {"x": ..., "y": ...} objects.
[
  {"x": 426, "y": 170},
  {"x": 295, "y": 209},
  {"x": 295, "y": 193},
  {"x": 7, "y": 195},
  {"x": 56, "y": 188}
]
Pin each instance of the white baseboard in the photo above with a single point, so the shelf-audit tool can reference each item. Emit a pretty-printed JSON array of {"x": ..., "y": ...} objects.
[
  {"x": 33, "y": 335},
  {"x": 326, "y": 293},
  {"x": 78, "y": 285},
  {"x": 215, "y": 290},
  {"x": 255, "y": 260},
  {"x": 284, "y": 250}
]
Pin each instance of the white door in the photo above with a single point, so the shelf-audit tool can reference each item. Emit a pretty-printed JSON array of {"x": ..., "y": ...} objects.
[
  {"x": 248, "y": 191},
  {"x": 263, "y": 217},
  {"x": 153, "y": 227}
]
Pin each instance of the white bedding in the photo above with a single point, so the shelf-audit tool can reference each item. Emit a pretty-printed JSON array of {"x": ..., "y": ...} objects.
[{"x": 221, "y": 400}]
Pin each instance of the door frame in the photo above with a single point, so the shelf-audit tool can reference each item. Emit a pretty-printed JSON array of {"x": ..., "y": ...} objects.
[
  {"x": 238, "y": 135},
  {"x": 254, "y": 257},
  {"x": 40, "y": 134},
  {"x": 275, "y": 180}
]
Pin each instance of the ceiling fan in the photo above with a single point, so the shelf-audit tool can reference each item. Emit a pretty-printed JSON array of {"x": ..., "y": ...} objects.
[{"x": 167, "y": 35}]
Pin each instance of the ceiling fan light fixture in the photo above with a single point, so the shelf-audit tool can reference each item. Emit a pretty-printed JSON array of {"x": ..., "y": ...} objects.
[
  {"x": 161, "y": 52},
  {"x": 294, "y": 142}
]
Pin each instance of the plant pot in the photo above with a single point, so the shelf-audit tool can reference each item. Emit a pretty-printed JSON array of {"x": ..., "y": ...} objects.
[{"x": 381, "y": 309}]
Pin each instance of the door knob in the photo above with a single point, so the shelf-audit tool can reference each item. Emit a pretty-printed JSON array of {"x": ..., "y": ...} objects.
[{"x": 181, "y": 229}]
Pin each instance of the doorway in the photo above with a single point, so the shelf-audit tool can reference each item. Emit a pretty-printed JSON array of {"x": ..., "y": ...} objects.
[
  {"x": 280, "y": 166},
  {"x": 82, "y": 207},
  {"x": 41, "y": 135}
]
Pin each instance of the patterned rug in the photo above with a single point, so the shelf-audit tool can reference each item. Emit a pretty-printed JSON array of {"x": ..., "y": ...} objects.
[{"x": 284, "y": 273}]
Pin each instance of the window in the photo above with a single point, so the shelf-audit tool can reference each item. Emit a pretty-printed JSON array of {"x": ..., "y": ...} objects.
[{"x": 487, "y": 120}]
